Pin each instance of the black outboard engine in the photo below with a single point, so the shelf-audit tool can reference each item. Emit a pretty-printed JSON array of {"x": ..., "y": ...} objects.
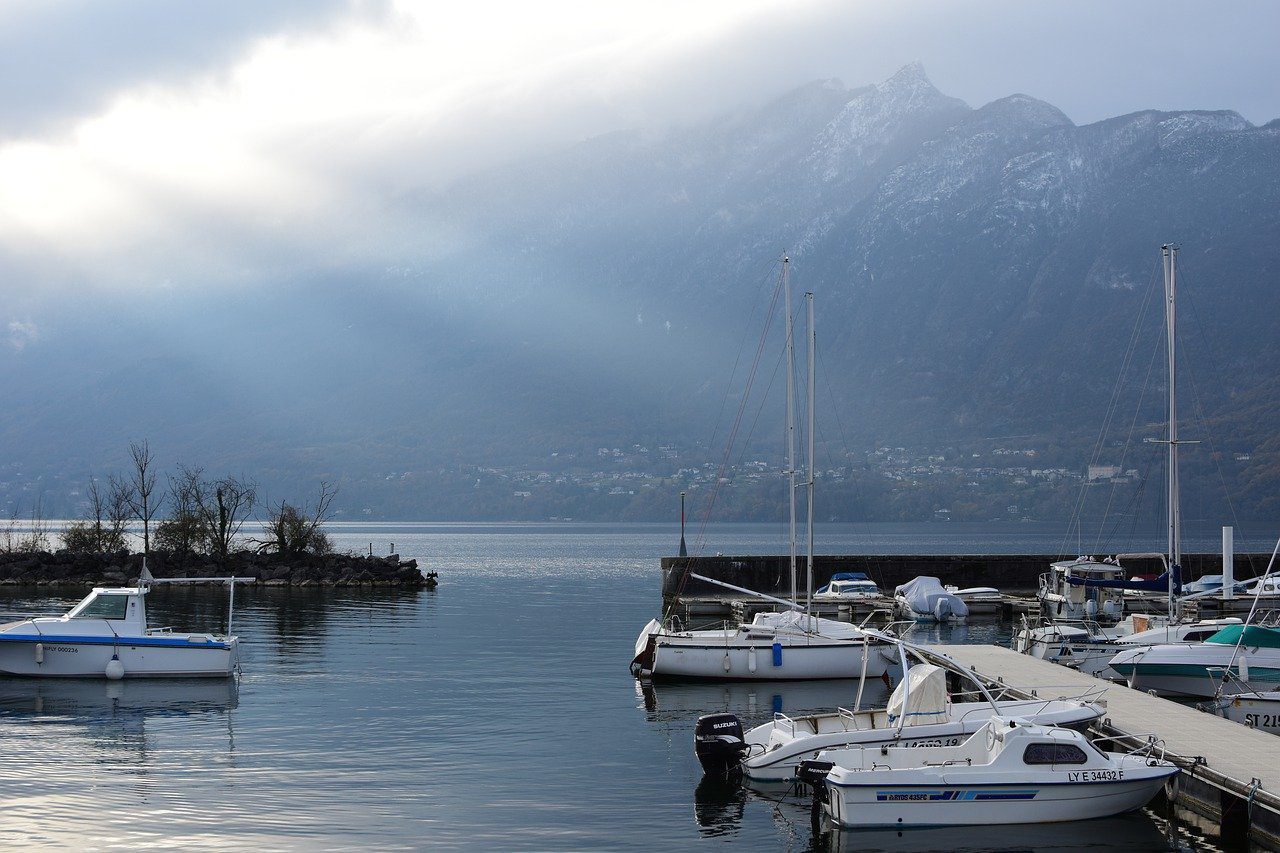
[
  {"x": 814, "y": 773},
  {"x": 719, "y": 743}
]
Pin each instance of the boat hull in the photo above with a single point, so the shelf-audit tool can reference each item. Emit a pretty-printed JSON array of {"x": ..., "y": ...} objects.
[
  {"x": 869, "y": 805},
  {"x": 1196, "y": 671},
  {"x": 1257, "y": 711},
  {"x": 739, "y": 661},
  {"x": 170, "y": 657}
]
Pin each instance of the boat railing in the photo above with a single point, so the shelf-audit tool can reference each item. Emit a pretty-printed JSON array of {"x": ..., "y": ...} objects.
[
  {"x": 781, "y": 719},
  {"x": 850, "y": 718},
  {"x": 1092, "y": 696},
  {"x": 1153, "y": 748}
]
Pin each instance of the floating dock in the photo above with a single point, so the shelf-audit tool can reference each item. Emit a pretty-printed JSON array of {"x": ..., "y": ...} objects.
[{"x": 1230, "y": 772}]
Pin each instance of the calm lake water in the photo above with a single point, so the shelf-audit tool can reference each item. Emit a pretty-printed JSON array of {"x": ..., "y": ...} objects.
[{"x": 495, "y": 712}]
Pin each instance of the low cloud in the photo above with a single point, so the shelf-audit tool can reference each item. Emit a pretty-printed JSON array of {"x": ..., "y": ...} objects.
[
  {"x": 243, "y": 143},
  {"x": 20, "y": 334}
]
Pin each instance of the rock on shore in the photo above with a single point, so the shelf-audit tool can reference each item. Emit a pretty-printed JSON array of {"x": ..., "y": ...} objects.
[{"x": 63, "y": 568}]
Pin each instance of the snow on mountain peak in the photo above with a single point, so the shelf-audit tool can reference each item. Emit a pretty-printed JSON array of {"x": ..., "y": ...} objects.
[{"x": 875, "y": 116}]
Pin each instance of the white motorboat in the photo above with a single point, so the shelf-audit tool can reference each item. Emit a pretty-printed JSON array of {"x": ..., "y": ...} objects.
[
  {"x": 979, "y": 599},
  {"x": 1009, "y": 771},
  {"x": 772, "y": 647},
  {"x": 106, "y": 636},
  {"x": 919, "y": 712},
  {"x": 925, "y": 599},
  {"x": 1090, "y": 647},
  {"x": 850, "y": 587},
  {"x": 1237, "y": 658},
  {"x": 1062, "y": 601}
]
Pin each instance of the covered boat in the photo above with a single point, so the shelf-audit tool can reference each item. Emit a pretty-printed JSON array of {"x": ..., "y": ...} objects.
[
  {"x": 1009, "y": 771},
  {"x": 924, "y": 598}
]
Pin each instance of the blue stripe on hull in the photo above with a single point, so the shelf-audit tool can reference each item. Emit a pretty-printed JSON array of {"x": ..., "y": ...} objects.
[{"x": 162, "y": 642}]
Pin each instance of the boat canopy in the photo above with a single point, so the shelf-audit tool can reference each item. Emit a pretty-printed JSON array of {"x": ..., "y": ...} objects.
[
  {"x": 921, "y": 698},
  {"x": 1255, "y": 636},
  {"x": 845, "y": 576},
  {"x": 1159, "y": 584}
]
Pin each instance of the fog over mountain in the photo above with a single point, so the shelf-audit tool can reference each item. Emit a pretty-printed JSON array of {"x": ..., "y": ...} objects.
[{"x": 978, "y": 276}]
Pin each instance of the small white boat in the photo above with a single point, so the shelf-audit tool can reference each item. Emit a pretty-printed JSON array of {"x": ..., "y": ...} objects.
[
  {"x": 979, "y": 599},
  {"x": 1007, "y": 772},
  {"x": 925, "y": 599},
  {"x": 106, "y": 636},
  {"x": 772, "y": 647},
  {"x": 919, "y": 712},
  {"x": 851, "y": 587}
]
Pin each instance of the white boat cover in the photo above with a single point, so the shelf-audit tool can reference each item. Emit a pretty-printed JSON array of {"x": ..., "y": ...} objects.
[
  {"x": 794, "y": 621},
  {"x": 921, "y": 696},
  {"x": 925, "y": 596}
]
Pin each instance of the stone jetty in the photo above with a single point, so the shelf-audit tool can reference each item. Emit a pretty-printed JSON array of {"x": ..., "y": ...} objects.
[{"x": 67, "y": 569}]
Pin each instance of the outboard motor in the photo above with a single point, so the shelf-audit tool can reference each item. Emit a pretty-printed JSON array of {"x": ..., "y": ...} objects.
[
  {"x": 719, "y": 743},
  {"x": 814, "y": 773},
  {"x": 942, "y": 610}
]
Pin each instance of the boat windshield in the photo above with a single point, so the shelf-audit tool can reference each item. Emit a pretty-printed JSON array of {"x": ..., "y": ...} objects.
[{"x": 102, "y": 607}]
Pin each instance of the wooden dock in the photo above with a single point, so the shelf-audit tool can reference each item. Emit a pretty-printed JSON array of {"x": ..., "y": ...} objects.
[{"x": 1231, "y": 773}]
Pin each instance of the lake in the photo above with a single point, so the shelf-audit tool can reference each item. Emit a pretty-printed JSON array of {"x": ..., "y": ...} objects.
[{"x": 495, "y": 712}]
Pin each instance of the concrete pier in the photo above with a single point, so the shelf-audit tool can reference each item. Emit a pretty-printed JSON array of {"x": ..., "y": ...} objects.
[{"x": 1231, "y": 773}]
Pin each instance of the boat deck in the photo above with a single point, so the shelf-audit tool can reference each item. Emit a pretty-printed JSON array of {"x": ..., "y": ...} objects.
[{"x": 1237, "y": 760}]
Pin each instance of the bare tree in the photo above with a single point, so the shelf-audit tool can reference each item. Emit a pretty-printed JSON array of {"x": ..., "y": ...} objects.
[
  {"x": 97, "y": 506},
  {"x": 37, "y": 535},
  {"x": 183, "y": 531},
  {"x": 92, "y": 535},
  {"x": 119, "y": 503},
  {"x": 143, "y": 500},
  {"x": 224, "y": 507},
  {"x": 11, "y": 531},
  {"x": 294, "y": 530}
]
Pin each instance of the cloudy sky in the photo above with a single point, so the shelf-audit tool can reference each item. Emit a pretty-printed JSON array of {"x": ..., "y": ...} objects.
[{"x": 151, "y": 145}]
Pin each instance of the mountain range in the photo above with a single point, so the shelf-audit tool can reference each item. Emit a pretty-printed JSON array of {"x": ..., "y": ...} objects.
[{"x": 983, "y": 277}]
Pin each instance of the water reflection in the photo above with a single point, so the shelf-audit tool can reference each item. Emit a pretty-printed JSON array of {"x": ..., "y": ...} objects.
[
  {"x": 684, "y": 702},
  {"x": 1132, "y": 832},
  {"x": 112, "y": 716},
  {"x": 95, "y": 698},
  {"x": 718, "y": 806}
]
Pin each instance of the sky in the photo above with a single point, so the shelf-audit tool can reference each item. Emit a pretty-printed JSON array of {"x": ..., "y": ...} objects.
[{"x": 149, "y": 146}]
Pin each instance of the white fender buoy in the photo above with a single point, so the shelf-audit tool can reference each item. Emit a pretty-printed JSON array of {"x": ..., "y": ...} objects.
[
  {"x": 1091, "y": 608},
  {"x": 751, "y": 659},
  {"x": 727, "y": 664},
  {"x": 39, "y": 652},
  {"x": 115, "y": 669},
  {"x": 1243, "y": 668}
]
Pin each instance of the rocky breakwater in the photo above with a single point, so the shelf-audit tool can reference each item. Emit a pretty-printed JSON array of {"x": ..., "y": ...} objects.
[{"x": 64, "y": 568}]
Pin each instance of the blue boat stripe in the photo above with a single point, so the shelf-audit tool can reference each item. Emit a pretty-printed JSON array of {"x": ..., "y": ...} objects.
[{"x": 162, "y": 642}]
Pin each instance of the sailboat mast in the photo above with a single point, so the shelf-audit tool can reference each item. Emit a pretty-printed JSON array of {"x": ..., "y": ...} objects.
[
  {"x": 1175, "y": 510},
  {"x": 791, "y": 421},
  {"x": 812, "y": 344},
  {"x": 1170, "y": 257}
]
